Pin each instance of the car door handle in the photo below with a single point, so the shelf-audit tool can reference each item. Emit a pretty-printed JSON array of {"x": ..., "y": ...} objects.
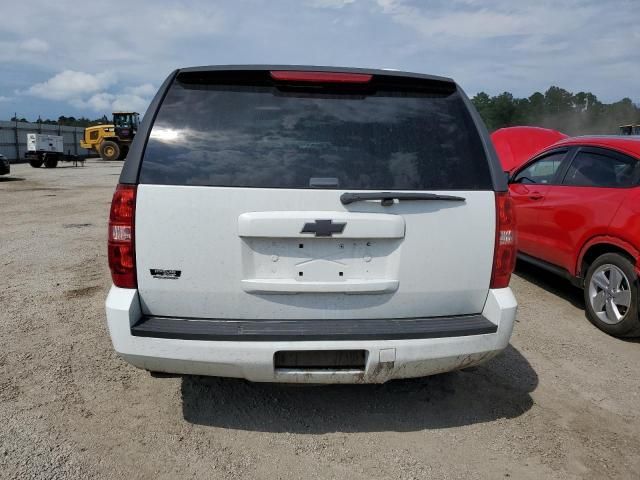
[{"x": 536, "y": 196}]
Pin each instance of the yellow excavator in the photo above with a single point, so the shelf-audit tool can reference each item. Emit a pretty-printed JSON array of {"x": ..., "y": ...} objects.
[{"x": 112, "y": 142}]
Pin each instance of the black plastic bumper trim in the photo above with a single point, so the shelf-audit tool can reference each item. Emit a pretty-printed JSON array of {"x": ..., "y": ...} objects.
[{"x": 304, "y": 330}]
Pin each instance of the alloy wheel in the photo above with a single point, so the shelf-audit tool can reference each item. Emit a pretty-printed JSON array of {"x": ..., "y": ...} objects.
[{"x": 609, "y": 294}]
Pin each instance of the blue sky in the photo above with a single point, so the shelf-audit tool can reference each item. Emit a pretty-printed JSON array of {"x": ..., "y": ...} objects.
[{"x": 77, "y": 58}]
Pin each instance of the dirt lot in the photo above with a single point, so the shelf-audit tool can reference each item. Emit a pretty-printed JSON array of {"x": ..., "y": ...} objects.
[{"x": 562, "y": 402}]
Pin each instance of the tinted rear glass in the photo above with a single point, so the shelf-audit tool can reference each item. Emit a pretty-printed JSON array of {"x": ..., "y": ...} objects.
[
  {"x": 266, "y": 136},
  {"x": 590, "y": 169}
]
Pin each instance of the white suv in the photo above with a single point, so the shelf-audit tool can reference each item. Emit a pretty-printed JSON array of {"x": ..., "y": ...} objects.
[{"x": 310, "y": 224}]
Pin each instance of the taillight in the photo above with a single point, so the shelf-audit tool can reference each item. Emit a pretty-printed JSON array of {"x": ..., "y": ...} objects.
[
  {"x": 504, "y": 255},
  {"x": 121, "y": 245},
  {"x": 320, "y": 77}
]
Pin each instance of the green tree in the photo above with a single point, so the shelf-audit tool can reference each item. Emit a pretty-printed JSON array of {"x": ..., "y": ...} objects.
[
  {"x": 557, "y": 101},
  {"x": 484, "y": 105},
  {"x": 557, "y": 108},
  {"x": 536, "y": 107}
]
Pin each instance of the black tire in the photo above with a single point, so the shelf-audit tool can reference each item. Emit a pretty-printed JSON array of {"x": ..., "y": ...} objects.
[
  {"x": 124, "y": 150},
  {"x": 109, "y": 150},
  {"x": 50, "y": 161},
  {"x": 629, "y": 325},
  {"x": 36, "y": 162}
]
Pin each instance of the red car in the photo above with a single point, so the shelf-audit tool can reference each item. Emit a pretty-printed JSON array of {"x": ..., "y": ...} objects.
[{"x": 577, "y": 204}]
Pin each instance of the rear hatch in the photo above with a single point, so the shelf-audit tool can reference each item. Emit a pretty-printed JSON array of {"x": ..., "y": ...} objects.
[{"x": 249, "y": 202}]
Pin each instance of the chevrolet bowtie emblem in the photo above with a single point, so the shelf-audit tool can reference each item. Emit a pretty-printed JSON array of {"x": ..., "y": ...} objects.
[{"x": 323, "y": 228}]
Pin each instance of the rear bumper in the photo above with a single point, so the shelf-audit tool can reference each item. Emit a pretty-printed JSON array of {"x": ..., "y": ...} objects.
[
  {"x": 311, "y": 330},
  {"x": 387, "y": 357}
]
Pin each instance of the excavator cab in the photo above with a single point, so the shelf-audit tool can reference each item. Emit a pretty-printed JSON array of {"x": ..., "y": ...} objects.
[{"x": 126, "y": 124}]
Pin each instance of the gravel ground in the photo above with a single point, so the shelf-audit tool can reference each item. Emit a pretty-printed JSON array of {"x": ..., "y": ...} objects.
[{"x": 561, "y": 402}]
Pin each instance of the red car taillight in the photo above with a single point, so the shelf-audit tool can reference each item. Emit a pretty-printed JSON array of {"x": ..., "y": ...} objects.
[
  {"x": 121, "y": 245},
  {"x": 504, "y": 255}
]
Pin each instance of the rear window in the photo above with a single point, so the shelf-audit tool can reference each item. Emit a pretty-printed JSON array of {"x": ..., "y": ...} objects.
[
  {"x": 262, "y": 135},
  {"x": 590, "y": 169}
]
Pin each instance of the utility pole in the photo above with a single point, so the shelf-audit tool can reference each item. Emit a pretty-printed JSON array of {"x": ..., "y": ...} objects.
[{"x": 15, "y": 131}]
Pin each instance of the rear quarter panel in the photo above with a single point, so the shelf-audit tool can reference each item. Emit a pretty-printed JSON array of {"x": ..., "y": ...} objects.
[{"x": 625, "y": 225}]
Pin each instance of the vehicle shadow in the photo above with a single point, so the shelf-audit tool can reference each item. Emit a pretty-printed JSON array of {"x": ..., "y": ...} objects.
[
  {"x": 11, "y": 179},
  {"x": 551, "y": 283},
  {"x": 497, "y": 389}
]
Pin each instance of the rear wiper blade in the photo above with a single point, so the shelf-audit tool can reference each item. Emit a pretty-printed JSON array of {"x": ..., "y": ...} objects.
[{"x": 389, "y": 197}]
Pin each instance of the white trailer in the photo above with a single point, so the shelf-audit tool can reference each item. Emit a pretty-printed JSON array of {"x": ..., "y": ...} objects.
[
  {"x": 46, "y": 149},
  {"x": 40, "y": 142}
]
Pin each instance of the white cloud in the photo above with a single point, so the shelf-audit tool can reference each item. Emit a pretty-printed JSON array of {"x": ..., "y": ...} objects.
[
  {"x": 188, "y": 22},
  {"x": 99, "y": 102},
  {"x": 70, "y": 84},
  {"x": 95, "y": 92},
  {"x": 112, "y": 102},
  {"x": 329, "y": 3},
  {"x": 128, "y": 103},
  {"x": 26, "y": 51},
  {"x": 470, "y": 23},
  {"x": 491, "y": 19},
  {"x": 5, "y": 99},
  {"x": 34, "y": 45},
  {"x": 492, "y": 45},
  {"x": 144, "y": 90}
]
